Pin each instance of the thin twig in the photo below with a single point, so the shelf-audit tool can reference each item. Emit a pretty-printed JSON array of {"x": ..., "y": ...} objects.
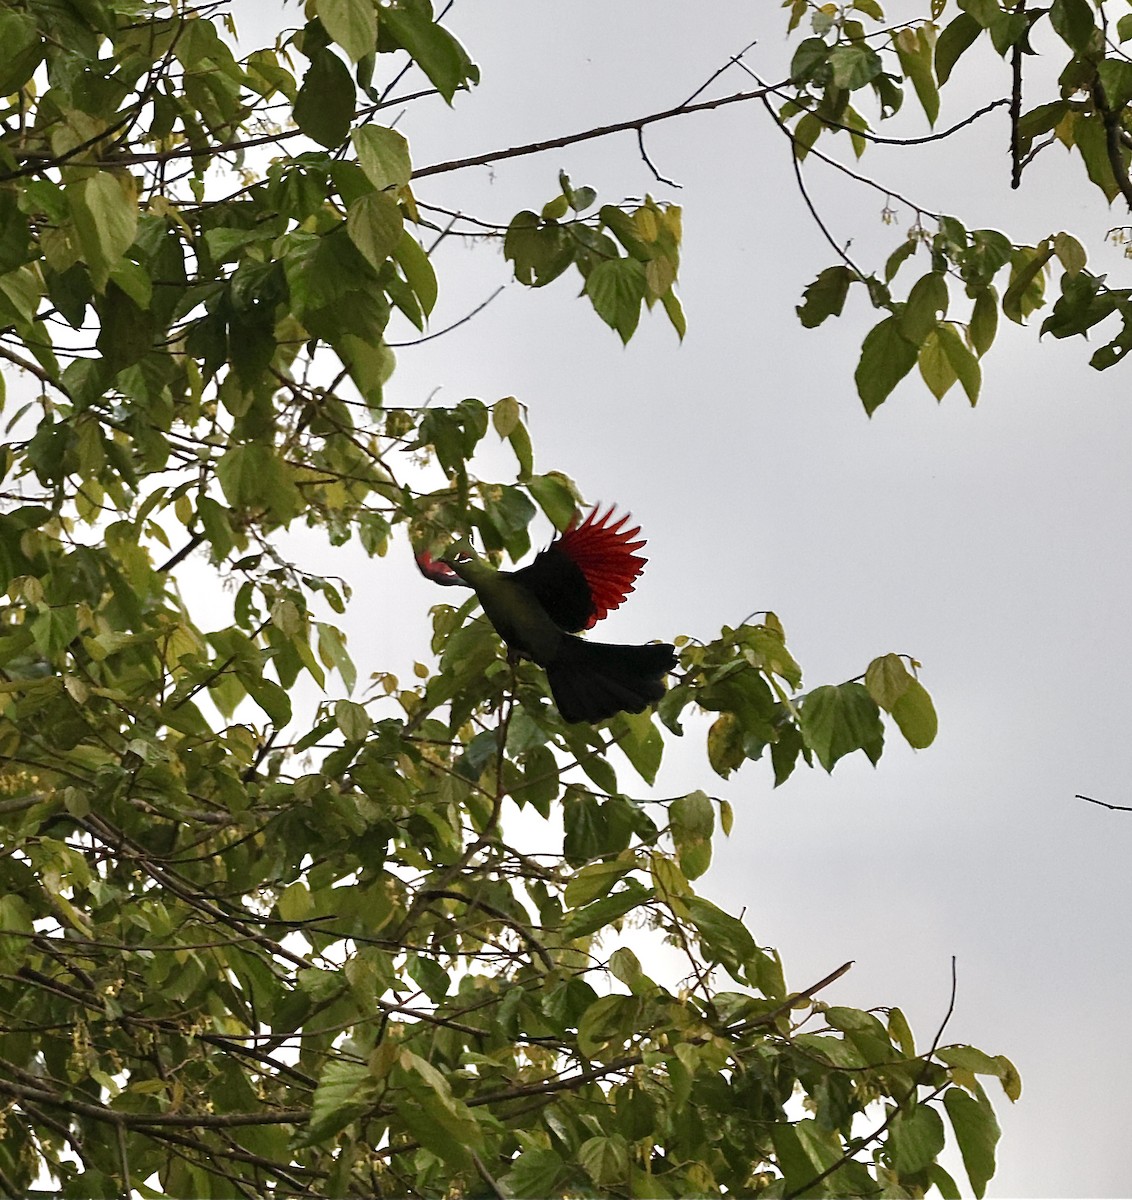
[
  {"x": 487, "y": 1177},
  {"x": 651, "y": 165},
  {"x": 1105, "y": 804},
  {"x": 448, "y": 329}
]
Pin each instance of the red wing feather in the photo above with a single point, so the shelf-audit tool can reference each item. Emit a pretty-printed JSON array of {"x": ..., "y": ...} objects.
[{"x": 604, "y": 555}]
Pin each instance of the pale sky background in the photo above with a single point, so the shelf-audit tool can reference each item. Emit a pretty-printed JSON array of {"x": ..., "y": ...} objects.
[{"x": 989, "y": 543}]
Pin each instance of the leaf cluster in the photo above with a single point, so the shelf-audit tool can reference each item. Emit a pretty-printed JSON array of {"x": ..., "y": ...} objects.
[{"x": 854, "y": 52}]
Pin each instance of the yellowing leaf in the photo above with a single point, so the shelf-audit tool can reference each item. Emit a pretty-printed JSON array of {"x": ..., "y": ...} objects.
[
  {"x": 105, "y": 215},
  {"x": 505, "y": 415}
]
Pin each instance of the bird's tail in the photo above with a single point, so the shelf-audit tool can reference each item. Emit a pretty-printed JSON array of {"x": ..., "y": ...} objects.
[{"x": 593, "y": 680}]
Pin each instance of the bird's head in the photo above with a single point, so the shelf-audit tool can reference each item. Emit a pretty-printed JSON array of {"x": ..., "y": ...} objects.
[{"x": 451, "y": 568}]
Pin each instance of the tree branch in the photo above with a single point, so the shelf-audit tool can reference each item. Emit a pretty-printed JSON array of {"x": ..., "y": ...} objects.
[
  {"x": 32, "y": 368},
  {"x": 1105, "y": 804},
  {"x": 1016, "y": 163},
  {"x": 1113, "y": 142},
  {"x": 600, "y": 131}
]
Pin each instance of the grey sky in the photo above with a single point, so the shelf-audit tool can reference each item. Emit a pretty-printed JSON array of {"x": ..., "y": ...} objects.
[{"x": 991, "y": 544}]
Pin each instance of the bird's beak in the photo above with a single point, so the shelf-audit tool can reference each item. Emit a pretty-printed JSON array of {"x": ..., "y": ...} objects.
[{"x": 460, "y": 551}]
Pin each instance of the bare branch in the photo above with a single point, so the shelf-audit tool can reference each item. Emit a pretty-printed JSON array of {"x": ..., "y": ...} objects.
[
  {"x": 428, "y": 337},
  {"x": 587, "y": 135},
  {"x": 1105, "y": 804}
]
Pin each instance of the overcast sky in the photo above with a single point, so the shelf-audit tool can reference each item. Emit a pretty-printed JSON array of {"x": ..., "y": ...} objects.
[{"x": 992, "y": 543}]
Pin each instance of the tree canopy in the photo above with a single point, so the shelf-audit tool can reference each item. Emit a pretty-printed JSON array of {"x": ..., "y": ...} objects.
[{"x": 250, "y": 949}]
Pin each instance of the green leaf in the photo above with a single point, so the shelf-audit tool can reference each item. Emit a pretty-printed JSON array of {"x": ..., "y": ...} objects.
[
  {"x": 642, "y": 744},
  {"x": 691, "y": 819},
  {"x": 626, "y": 966},
  {"x": 1070, "y": 253},
  {"x": 605, "y": 1159},
  {"x": 957, "y": 38},
  {"x": 536, "y": 1172},
  {"x": 595, "y": 879},
  {"x": 554, "y": 494},
  {"x": 438, "y": 54},
  {"x": 725, "y": 744},
  {"x": 900, "y": 1032},
  {"x": 1116, "y": 78},
  {"x": 794, "y": 1158},
  {"x": 811, "y": 55},
  {"x": 352, "y": 719},
  {"x": 1011, "y": 1080},
  {"x": 905, "y": 250},
  {"x": 332, "y": 651},
  {"x": 915, "y": 716},
  {"x": 433, "y": 978},
  {"x": 970, "y": 1058},
  {"x": 16, "y": 930},
  {"x": 916, "y": 1139},
  {"x": 352, "y": 24},
  {"x": 374, "y": 224},
  {"x": 253, "y": 476},
  {"x": 887, "y": 679},
  {"x": 127, "y": 332},
  {"x": 1091, "y": 139},
  {"x": 925, "y": 306},
  {"x": 976, "y": 1131},
  {"x": 324, "y": 107},
  {"x": 886, "y": 357},
  {"x": 23, "y": 50},
  {"x": 724, "y": 937},
  {"x": 54, "y": 629},
  {"x": 294, "y": 902},
  {"x": 616, "y": 288},
  {"x": 345, "y": 1089},
  {"x": 1073, "y": 22},
  {"x": 505, "y": 415},
  {"x": 607, "y": 1020},
  {"x": 854, "y": 65},
  {"x": 417, "y": 268},
  {"x": 1026, "y": 282},
  {"x": 943, "y": 1182},
  {"x": 384, "y": 156},
  {"x": 106, "y": 221},
  {"x": 836, "y": 720},
  {"x": 370, "y": 366},
  {"x": 273, "y": 699},
  {"x": 674, "y": 310},
  {"x": 605, "y": 912},
  {"x": 984, "y": 320},
  {"x": 962, "y": 360},
  {"x": 825, "y": 297}
]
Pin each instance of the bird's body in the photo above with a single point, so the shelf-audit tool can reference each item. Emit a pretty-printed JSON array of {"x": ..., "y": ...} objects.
[{"x": 581, "y": 576}]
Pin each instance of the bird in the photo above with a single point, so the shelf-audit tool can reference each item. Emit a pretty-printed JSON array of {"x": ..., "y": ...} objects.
[{"x": 585, "y": 573}]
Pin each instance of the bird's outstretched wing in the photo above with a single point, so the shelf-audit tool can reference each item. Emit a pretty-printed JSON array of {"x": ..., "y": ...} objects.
[{"x": 586, "y": 572}]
